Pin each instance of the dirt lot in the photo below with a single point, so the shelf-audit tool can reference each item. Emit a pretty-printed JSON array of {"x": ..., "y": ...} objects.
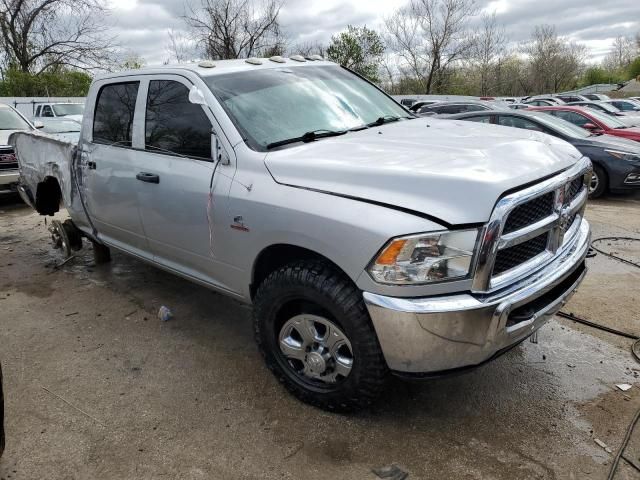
[{"x": 97, "y": 387}]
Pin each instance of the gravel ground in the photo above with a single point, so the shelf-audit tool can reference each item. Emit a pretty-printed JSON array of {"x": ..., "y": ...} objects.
[{"x": 97, "y": 387}]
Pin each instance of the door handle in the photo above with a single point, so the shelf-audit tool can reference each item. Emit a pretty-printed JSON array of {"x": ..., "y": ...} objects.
[{"x": 148, "y": 177}]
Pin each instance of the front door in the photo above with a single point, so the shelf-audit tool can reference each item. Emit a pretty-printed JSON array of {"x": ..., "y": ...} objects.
[{"x": 183, "y": 194}]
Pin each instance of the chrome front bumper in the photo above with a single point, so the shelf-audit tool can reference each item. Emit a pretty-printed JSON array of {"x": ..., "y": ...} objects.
[{"x": 431, "y": 335}]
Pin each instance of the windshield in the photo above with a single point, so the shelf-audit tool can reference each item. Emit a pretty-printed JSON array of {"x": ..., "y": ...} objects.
[
  {"x": 559, "y": 125},
  {"x": 606, "y": 106},
  {"x": 10, "y": 120},
  {"x": 276, "y": 104},
  {"x": 608, "y": 120},
  {"x": 63, "y": 109}
]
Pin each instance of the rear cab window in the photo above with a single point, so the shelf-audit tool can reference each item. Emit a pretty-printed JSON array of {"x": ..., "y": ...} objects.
[{"x": 113, "y": 115}]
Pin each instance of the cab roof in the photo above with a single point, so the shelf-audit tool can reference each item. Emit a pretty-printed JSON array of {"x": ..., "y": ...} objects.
[{"x": 206, "y": 68}]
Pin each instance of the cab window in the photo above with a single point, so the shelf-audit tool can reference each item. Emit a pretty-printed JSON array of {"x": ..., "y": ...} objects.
[
  {"x": 480, "y": 119},
  {"x": 517, "y": 122},
  {"x": 46, "y": 111},
  {"x": 572, "y": 117},
  {"x": 173, "y": 124},
  {"x": 113, "y": 117}
]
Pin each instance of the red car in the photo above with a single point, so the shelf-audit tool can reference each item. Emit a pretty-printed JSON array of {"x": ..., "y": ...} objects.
[{"x": 594, "y": 121}]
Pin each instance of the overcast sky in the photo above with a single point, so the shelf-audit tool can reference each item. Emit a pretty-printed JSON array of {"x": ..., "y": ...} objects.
[{"x": 141, "y": 25}]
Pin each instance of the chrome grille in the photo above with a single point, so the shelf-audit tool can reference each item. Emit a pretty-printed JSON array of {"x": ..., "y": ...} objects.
[
  {"x": 529, "y": 213},
  {"x": 518, "y": 254},
  {"x": 530, "y": 227}
]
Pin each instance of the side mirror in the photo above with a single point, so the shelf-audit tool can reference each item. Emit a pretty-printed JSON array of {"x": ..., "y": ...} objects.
[
  {"x": 38, "y": 124},
  {"x": 196, "y": 96},
  {"x": 590, "y": 126}
]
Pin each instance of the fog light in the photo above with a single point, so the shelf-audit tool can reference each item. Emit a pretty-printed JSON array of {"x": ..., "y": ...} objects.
[{"x": 632, "y": 178}]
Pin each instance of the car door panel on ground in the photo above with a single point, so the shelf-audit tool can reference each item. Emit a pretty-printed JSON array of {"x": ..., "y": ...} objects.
[
  {"x": 107, "y": 166},
  {"x": 184, "y": 214}
]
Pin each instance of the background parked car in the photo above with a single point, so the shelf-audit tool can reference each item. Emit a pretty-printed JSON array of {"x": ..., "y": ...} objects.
[
  {"x": 616, "y": 161},
  {"x": 448, "y": 108},
  {"x": 596, "y": 96},
  {"x": 626, "y": 105},
  {"x": 418, "y": 105},
  {"x": 519, "y": 106},
  {"x": 628, "y": 118},
  {"x": 566, "y": 98},
  {"x": 594, "y": 121},
  {"x": 544, "y": 101},
  {"x": 10, "y": 121}
]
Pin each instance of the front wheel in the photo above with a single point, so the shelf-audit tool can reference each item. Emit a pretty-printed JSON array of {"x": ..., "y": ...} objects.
[{"x": 316, "y": 336}]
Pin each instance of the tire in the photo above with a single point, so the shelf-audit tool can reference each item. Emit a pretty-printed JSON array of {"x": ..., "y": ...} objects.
[
  {"x": 101, "y": 253},
  {"x": 599, "y": 182},
  {"x": 314, "y": 293}
]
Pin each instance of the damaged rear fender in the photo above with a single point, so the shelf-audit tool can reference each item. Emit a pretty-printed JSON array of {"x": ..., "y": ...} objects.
[{"x": 46, "y": 172}]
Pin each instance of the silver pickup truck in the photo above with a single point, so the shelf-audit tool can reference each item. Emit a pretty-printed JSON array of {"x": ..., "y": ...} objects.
[{"x": 367, "y": 240}]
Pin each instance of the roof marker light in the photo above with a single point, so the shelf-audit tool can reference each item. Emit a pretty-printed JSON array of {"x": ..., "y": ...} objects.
[
  {"x": 298, "y": 58},
  {"x": 254, "y": 61},
  {"x": 316, "y": 57},
  {"x": 206, "y": 64},
  {"x": 277, "y": 59}
]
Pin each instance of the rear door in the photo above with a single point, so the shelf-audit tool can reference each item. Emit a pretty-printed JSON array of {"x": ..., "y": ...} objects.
[
  {"x": 107, "y": 167},
  {"x": 183, "y": 206}
]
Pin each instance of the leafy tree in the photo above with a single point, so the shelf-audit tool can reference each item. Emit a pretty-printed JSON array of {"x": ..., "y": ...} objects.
[
  {"x": 358, "y": 48},
  {"x": 56, "y": 83},
  {"x": 633, "y": 71}
]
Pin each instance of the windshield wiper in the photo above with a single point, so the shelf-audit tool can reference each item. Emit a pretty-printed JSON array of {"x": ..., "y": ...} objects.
[
  {"x": 382, "y": 120},
  {"x": 308, "y": 137}
]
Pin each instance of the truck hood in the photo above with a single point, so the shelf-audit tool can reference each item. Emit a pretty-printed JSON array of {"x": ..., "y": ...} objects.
[
  {"x": 454, "y": 171},
  {"x": 75, "y": 118}
]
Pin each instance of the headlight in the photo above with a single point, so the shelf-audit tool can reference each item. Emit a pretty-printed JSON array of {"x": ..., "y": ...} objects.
[
  {"x": 425, "y": 258},
  {"x": 623, "y": 155}
]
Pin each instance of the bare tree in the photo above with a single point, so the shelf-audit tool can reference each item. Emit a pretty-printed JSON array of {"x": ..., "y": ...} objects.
[
  {"x": 405, "y": 38},
  {"x": 622, "y": 53},
  {"x": 554, "y": 63},
  {"x": 40, "y": 34},
  {"x": 487, "y": 50},
  {"x": 179, "y": 48},
  {"x": 431, "y": 35},
  {"x": 309, "y": 48},
  {"x": 235, "y": 28}
]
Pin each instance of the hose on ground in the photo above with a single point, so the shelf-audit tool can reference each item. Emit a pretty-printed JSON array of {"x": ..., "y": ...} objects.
[{"x": 635, "y": 348}]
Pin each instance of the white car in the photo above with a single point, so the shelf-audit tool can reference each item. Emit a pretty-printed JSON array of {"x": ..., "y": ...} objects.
[
  {"x": 10, "y": 121},
  {"x": 50, "y": 114}
]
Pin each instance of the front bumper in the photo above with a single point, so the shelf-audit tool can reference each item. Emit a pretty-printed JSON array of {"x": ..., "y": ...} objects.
[{"x": 436, "y": 334}]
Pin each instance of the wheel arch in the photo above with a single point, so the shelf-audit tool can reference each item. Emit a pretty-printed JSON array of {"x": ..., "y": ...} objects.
[
  {"x": 277, "y": 255},
  {"x": 48, "y": 196}
]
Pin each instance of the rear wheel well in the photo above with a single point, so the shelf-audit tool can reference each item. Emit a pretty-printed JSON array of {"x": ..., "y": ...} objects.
[
  {"x": 48, "y": 196},
  {"x": 279, "y": 255}
]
